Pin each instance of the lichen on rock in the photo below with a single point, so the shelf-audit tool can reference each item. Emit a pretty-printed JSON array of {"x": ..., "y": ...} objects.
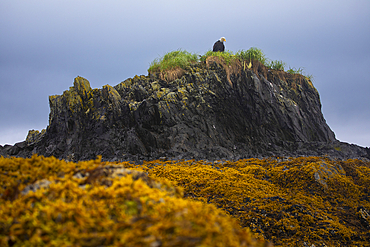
[
  {"x": 82, "y": 86},
  {"x": 35, "y": 136}
]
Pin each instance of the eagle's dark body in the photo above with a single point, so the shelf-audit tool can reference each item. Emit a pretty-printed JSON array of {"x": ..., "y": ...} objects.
[{"x": 219, "y": 45}]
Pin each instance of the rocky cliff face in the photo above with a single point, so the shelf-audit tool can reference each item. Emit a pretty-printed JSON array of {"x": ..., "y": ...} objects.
[{"x": 212, "y": 110}]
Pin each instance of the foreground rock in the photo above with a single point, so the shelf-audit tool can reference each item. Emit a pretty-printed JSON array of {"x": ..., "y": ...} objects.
[
  {"x": 211, "y": 111},
  {"x": 51, "y": 202},
  {"x": 305, "y": 201}
]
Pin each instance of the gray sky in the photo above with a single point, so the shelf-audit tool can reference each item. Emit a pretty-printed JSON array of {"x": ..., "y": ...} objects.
[{"x": 44, "y": 45}]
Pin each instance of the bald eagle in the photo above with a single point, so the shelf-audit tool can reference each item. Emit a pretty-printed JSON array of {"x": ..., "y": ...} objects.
[{"x": 219, "y": 45}]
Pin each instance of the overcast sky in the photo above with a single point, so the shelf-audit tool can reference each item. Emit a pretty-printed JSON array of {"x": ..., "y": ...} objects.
[{"x": 44, "y": 45}]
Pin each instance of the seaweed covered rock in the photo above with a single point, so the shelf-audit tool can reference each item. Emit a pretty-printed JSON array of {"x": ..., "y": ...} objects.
[
  {"x": 210, "y": 110},
  {"x": 312, "y": 201},
  {"x": 49, "y": 202},
  {"x": 180, "y": 203}
]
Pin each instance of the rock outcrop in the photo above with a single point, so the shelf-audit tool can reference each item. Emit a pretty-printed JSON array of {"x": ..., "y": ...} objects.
[{"x": 213, "y": 111}]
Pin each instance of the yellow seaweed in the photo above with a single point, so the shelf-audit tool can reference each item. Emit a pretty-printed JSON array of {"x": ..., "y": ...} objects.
[{"x": 51, "y": 202}]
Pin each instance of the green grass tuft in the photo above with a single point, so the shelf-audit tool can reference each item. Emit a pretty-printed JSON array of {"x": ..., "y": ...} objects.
[
  {"x": 227, "y": 56},
  {"x": 278, "y": 65},
  {"x": 182, "y": 59},
  {"x": 173, "y": 59},
  {"x": 294, "y": 71},
  {"x": 252, "y": 54}
]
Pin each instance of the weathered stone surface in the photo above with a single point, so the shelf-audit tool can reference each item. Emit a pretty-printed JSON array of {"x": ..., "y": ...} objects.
[
  {"x": 209, "y": 113},
  {"x": 35, "y": 136},
  {"x": 325, "y": 171}
]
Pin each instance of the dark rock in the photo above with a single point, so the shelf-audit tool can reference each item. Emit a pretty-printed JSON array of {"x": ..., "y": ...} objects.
[
  {"x": 34, "y": 136},
  {"x": 275, "y": 198},
  {"x": 208, "y": 113},
  {"x": 364, "y": 216}
]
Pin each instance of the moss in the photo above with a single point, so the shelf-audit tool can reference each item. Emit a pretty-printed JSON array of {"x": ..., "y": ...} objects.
[
  {"x": 35, "y": 135},
  {"x": 155, "y": 85},
  {"x": 171, "y": 97},
  {"x": 111, "y": 94},
  {"x": 81, "y": 86},
  {"x": 124, "y": 85},
  {"x": 162, "y": 92}
]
